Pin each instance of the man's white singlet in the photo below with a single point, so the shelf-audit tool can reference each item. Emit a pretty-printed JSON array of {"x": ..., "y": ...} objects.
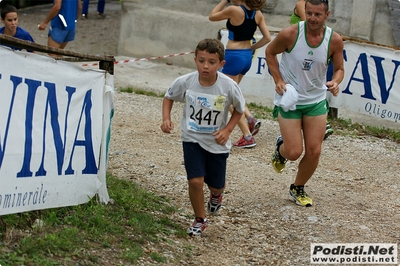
[{"x": 305, "y": 66}]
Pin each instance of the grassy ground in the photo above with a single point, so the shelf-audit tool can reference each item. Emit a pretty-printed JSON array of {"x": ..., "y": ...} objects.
[{"x": 73, "y": 234}]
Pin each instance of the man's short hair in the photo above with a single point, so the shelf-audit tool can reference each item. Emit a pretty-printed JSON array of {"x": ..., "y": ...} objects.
[{"x": 318, "y": 2}]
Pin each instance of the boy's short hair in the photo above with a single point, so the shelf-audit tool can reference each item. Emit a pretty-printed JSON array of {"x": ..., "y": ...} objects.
[
  {"x": 8, "y": 9},
  {"x": 213, "y": 46}
]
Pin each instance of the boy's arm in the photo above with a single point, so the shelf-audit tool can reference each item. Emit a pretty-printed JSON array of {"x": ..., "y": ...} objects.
[
  {"x": 167, "y": 126},
  {"x": 222, "y": 135}
]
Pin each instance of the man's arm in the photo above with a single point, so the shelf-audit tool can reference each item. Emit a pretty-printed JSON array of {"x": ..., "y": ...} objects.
[
  {"x": 282, "y": 42},
  {"x": 337, "y": 60}
]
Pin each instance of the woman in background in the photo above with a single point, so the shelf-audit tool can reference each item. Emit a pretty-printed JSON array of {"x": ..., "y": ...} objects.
[{"x": 243, "y": 18}]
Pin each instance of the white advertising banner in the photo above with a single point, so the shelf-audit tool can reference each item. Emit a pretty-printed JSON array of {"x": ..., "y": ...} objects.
[
  {"x": 55, "y": 119},
  {"x": 372, "y": 81},
  {"x": 371, "y": 85}
]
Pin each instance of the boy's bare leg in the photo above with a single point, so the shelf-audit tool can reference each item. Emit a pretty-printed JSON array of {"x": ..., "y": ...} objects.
[{"x": 196, "y": 195}]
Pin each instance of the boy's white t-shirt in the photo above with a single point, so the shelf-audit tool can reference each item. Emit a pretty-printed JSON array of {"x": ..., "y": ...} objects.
[{"x": 206, "y": 109}]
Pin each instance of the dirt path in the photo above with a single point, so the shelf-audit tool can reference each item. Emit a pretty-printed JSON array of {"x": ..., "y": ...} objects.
[{"x": 355, "y": 190}]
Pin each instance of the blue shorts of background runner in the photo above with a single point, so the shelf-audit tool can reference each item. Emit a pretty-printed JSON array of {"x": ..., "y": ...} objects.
[
  {"x": 60, "y": 35},
  {"x": 199, "y": 162},
  {"x": 238, "y": 61}
]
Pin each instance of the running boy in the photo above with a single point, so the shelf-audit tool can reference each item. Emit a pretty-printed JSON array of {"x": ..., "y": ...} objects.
[{"x": 205, "y": 126}]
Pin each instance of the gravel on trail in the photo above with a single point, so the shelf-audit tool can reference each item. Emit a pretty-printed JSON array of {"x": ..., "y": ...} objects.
[{"x": 354, "y": 190}]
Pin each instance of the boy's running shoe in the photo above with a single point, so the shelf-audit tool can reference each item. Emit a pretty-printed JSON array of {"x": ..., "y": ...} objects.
[
  {"x": 198, "y": 226},
  {"x": 278, "y": 162},
  {"x": 299, "y": 196},
  {"x": 328, "y": 131},
  {"x": 254, "y": 125},
  {"x": 214, "y": 203},
  {"x": 243, "y": 143}
]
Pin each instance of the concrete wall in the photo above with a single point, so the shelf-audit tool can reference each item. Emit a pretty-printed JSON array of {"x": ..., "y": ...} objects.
[{"x": 160, "y": 27}]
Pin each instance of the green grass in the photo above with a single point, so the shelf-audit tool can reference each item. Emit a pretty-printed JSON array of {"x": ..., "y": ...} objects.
[
  {"x": 346, "y": 127},
  {"x": 142, "y": 92},
  {"x": 70, "y": 235},
  {"x": 259, "y": 111},
  {"x": 127, "y": 90}
]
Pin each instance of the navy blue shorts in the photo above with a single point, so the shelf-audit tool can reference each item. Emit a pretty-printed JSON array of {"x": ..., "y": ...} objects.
[
  {"x": 199, "y": 162},
  {"x": 238, "y": 61}
]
